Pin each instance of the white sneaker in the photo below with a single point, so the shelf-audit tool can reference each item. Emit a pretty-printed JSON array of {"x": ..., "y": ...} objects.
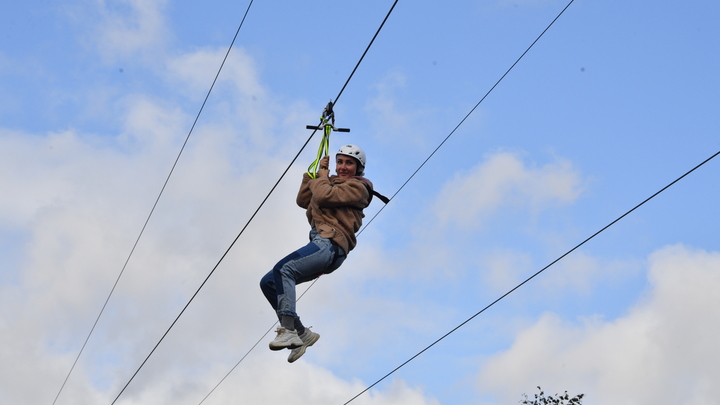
[
  {"x": 285, "y": 339},
  {"x": 308, "y": 339}
]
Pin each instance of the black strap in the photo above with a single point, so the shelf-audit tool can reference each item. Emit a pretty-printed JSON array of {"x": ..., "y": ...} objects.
[
  {"x": 337, "y": 255},
  {"x": 376, "y": 194},
  {"x": 381, "y": 197}
]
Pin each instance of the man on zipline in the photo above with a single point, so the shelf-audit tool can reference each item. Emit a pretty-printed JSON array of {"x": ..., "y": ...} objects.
[{"x": 334, "y": 208}]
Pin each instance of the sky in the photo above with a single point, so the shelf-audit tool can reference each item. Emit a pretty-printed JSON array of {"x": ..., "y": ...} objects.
[{"x": 617, "y": 100}]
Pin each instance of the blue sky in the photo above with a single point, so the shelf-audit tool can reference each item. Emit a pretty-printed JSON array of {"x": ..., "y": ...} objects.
[{"x": 617, "y": 100}]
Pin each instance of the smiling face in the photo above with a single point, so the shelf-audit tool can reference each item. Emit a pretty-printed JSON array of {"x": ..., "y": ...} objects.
[{"x": 346, "y": 166}]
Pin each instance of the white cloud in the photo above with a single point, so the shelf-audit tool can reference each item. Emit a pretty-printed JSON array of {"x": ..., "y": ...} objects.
[
  {"x": 663, "y": 351},
  {"x": 311, "y": 383},
  {"x": 196, "y": 71},
  {"x": 257, "y": 381},
  {"x": 503, "y": 180},
  {"x": 128, "y": 28},
  {"x": 384, "y": 104},
  {"x": 69, "y": 263},
  {"x": 398, "y": 126},
  {"x": 245, "y": 105}
]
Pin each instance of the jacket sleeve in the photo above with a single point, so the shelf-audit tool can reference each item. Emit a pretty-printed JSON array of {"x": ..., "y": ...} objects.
[
  {"x": 304, "y": 194},
  {"x": 351, "y": 193}
]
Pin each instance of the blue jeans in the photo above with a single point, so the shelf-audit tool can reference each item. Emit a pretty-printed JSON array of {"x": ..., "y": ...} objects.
[{"x": 318, "y": 257}]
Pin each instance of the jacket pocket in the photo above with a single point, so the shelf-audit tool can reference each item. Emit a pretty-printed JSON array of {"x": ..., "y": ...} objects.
[{"x": 326, "y": 231}]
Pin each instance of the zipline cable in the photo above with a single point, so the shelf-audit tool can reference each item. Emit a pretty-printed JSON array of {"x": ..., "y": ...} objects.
[
  {"x": 536, "y": 274},
  {"x": 251, "y": 217},
  {"x": 152, "y": 210},
  {"x": 470, "y": 113}
]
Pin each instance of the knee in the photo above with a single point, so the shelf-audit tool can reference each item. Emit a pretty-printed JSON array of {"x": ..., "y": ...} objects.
[{"x": 267, "y": 283}]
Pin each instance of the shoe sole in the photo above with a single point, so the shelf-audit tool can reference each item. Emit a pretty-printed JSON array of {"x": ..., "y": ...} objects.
[
  {"x": 289, "y": 345},
  {"x": 302, "y": 348}
]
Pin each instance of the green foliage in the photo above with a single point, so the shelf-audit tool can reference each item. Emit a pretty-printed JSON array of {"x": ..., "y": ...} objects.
[{"x": 557, "y": 399}]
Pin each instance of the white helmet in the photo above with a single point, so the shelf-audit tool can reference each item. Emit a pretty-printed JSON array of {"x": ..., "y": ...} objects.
[{"x": 357, "y": 153}]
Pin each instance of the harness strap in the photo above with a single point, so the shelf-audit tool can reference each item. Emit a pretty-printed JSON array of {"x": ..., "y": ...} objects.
[
  {"x": 337, "y": 250},
  {"x": 381, "y": 197},
  {"x": 375, "y": 193},
  {"x": 323, "y": 150}
]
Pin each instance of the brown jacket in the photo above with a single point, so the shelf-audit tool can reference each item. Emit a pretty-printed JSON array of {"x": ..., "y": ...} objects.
[{"x": 334, "y": 206}]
